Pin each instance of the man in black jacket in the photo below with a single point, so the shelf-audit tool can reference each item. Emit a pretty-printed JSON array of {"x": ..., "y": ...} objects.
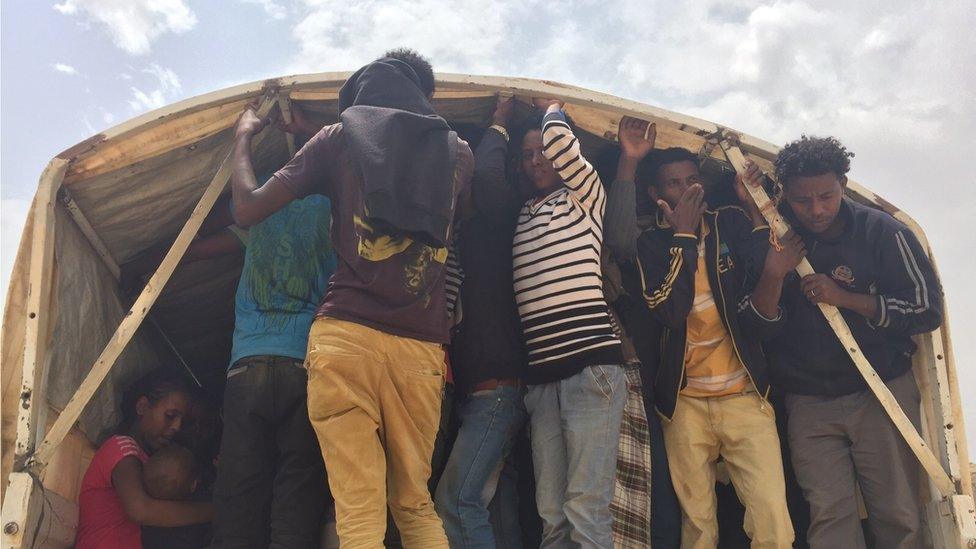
[
  {"x": 875, "y": 271},
  {"x": 487, "y": 355},
  {"x": 709, "y": 280}
]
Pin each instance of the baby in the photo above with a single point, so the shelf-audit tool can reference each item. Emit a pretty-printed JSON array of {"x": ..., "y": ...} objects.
[{"x": 171, "y": 473}]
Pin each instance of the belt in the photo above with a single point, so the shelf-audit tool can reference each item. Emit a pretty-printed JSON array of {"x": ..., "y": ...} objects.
[{"x": 494, "y": 383}]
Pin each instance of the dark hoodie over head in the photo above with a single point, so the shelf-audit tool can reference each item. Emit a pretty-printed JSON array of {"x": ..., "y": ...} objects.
[{"x": 405, "y": 152}]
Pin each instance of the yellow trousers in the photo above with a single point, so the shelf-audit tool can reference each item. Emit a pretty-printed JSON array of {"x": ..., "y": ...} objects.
[
  {"x": 742, "y": 430},
  {"x": 374, "y": 400}
]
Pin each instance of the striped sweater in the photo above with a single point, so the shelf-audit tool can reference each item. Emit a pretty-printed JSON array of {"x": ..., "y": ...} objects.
[{"x": 556, "y": 258}]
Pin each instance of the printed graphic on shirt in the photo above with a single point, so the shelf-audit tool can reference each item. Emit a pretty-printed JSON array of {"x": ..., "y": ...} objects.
[
  {"x": 843, "y": 274},
  {"x": 725, "y": 263},
  {"x": 377, "y": 246},
  {"x": 286, "y": 279}
]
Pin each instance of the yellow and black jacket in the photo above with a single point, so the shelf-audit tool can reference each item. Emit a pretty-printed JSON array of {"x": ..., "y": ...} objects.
[{"x": 735, "y": 253}]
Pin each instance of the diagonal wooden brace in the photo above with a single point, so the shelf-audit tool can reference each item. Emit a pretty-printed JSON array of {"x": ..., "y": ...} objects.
[
  {"x": 139, "y": 310},
  {"x": 284, "y": 106},
  {"x": 779, "y": 227}
]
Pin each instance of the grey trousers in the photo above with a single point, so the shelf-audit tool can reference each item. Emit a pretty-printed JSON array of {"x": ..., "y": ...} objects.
[{"x": 837, "y": 441}]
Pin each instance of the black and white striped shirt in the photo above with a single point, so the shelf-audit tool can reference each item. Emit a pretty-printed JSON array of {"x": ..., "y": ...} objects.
[{"x": 556, "y": 258}]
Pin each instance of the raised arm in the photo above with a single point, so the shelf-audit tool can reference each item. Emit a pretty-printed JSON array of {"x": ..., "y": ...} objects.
[
  {"x": 620, "y": 229},
  {"x": 492, "y": 194},
  {"x": 252, "y": 203},
  {"x": 145, "y": 510},
  {"x": 562, "y": 148}
]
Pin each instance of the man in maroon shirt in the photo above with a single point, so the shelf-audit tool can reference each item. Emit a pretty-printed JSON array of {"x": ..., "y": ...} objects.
[{"x": 394, "y": 172}]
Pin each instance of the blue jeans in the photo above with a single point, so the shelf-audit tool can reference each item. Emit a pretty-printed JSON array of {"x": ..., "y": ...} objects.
[
  {"x": 575, "y": 429},
  {"x": 489, "y": 422}
]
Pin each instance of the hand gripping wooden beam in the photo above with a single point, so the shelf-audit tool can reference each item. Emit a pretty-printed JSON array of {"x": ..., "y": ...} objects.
[{"x": 779, "y": 227}]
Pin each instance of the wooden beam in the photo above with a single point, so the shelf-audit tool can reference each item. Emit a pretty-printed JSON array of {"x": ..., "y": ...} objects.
[
  {"x": 35, "y": 517},
  {"x": 102, "y": 251},
  {"x": 957, "y": 417},
  {"x": 22, "y": 505},
  {"x": 284, "y": 105},
  {"x": 140, "y": 309},
  {"x": 38, "y": 319},
  {"x": 86, "y": 229},
  {"x": 779, "y": 226}
]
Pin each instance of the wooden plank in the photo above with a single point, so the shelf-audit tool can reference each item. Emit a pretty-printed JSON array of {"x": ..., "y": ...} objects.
[
  {"x": 36, "y": 518},
  {"x": 86, "y": 229},
  {"x": 185, "y": 122},
  {"x": 957, "y": 416},
  {"x": 929, "y": 462},
  {"x": 284, "y": 105},
  {"x": 951, "y": 522},
  {"x": 37, "y": 320},
  {"x": 102, "y": 251},
  {"x": 133, "y": 319},
  {"x": 158, "y": 139},
  {"x": 21, "y": 511}
]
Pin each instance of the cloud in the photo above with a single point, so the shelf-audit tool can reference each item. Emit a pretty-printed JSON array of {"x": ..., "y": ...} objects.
[
  {"x": 66, "y": 69},
  {"x": 167, "y": 85},
  {"x": 133, "y": 25},
  {"x": 271, "y": 8}
]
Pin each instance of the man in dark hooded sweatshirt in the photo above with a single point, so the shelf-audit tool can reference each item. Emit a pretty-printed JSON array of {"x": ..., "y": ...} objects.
[{"x": 394, "y": 172}]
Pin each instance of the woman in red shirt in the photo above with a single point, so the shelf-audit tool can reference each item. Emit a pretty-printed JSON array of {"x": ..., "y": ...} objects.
[{"x": 113, "y": 503}]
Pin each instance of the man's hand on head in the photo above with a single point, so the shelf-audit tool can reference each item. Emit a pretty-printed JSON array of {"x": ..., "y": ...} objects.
[{"x": 686, "y": 214}]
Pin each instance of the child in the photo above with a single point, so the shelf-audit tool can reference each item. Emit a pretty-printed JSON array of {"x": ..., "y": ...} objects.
[
  {"x": 113, "y": 502},
  {"x": 173, "y": 473}
]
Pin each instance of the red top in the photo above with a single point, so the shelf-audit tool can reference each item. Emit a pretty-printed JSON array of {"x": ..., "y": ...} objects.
[{"x": 102, "y": 523}]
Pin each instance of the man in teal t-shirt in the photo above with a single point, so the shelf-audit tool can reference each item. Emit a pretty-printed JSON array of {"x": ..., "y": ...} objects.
[{"x": 271, "y": 485}]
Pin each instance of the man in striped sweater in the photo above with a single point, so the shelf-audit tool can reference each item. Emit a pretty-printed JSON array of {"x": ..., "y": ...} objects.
[{"x": 577, "y": 385}]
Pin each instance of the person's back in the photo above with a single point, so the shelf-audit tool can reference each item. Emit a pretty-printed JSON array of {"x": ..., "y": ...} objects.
[
  {"x": 390, "y": 282},
  {"x": 267, "y": 435},
  {"x": 393, "y": 170},
  {"x": 287, "y": 266}
]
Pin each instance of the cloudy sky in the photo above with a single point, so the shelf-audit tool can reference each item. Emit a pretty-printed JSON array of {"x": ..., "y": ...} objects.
[{"x": 895, "y": 80}]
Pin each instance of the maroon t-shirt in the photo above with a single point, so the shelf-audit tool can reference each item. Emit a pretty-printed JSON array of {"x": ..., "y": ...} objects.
[{"x": 391, "y": 283}]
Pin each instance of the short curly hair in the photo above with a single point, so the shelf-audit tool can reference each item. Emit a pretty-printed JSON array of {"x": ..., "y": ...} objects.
[
  {"x": 809, "y": 156},
  {"x": 649, "y": 170},
  {"x": 419, "y": 64}
]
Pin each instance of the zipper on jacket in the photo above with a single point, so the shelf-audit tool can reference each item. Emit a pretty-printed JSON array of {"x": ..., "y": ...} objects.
[
  {"x": 681, "y": 376},
  {"x": 721, "y": 291}
]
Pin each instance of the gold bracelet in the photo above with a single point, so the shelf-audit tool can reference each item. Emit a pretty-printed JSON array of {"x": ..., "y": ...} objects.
[{"x": 500, "y": 129}]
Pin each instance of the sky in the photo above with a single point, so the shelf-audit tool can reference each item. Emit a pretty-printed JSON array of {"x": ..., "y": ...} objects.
[{"x": 895, "y": 80}]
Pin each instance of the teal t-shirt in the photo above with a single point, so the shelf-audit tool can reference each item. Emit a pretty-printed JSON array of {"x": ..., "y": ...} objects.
[{"x": 287, "y": 266}]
